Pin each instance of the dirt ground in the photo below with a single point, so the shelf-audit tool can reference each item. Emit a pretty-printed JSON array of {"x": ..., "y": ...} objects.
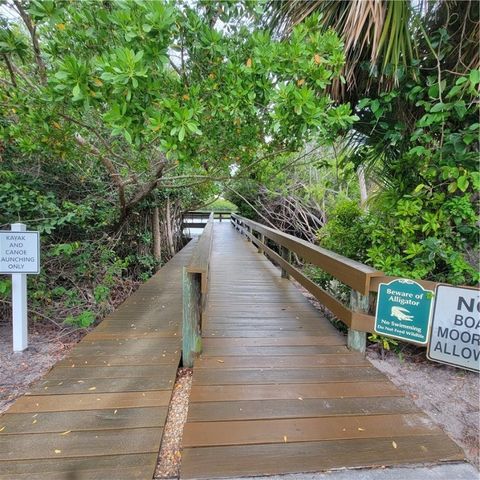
[
  {"x": 47, "y": 345},
  {"x": 450, "y": 396}
]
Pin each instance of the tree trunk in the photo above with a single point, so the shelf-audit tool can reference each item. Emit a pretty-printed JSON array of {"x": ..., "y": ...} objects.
[
  {"x": 171, "y": 246},
  {"x": 157, "y": 241},
  {"x": 363, "y": 187}
]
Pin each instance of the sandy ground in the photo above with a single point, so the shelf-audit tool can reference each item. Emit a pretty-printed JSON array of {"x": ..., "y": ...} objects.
[
  {"x": 450, "y": 396},
  {"x": 47, "y": 345}
]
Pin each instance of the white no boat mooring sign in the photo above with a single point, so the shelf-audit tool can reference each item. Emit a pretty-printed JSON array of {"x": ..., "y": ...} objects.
[
  {"x": 19, "y": 255},
  {"x": 455, "y": 335}
]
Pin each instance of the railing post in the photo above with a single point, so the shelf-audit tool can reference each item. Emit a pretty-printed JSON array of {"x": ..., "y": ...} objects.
[
  {"x": 357, "y": 340},
  {"x": 192, "y": 304},
  {"x": 285, "y": 252},
  {"x": 262, "y": 239}
]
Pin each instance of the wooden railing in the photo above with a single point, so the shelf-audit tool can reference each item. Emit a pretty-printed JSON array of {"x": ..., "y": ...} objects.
[
  {"x": 361, "y": 278},
  {"x": 195, "y": 289},
  {"x": 199, "y": 219}
]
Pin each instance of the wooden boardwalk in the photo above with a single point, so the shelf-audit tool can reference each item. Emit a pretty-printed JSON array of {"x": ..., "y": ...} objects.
[
  {"x": 100, "y": 413},
  {"x": 277, "y": 391}
]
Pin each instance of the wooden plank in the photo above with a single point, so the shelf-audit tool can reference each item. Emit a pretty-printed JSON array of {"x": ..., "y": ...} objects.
[
  {"x": 259, "y": 333},
  {"x": 101, "y": 385},
  {"x": 331, "y": 340},
  {"x": 129, "y": 349},
  {"x": 254, "y": 376},
  {"x": 223, "y": 350},
  {"x": 80, "y": 444},
  {"x": 278, "y": 361},
  {"x": 90, "y": 401},
  {"x": 76, "y": 421},
  {"x": 108, "y": 371},
  {"x": 220, "y": 393},
  {"x": 271, "y": 459},
  {"x": 206, "y": 434},
  {"x": 307, "y": 408},
  {"x": 117, "y": 360},
  {"x": 140, "y": 472},
  {"x": 118, "y": 467}
]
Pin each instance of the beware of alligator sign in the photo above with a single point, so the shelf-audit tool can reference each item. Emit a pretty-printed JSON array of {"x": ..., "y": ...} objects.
[{"x": 403, "y": 311}]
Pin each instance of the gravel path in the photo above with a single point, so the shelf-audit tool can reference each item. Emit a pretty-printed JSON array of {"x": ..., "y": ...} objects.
[{"x": 170, "y": 456}]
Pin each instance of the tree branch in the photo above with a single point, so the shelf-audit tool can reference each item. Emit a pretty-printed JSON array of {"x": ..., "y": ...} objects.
[
  {"x": 114, "y": 175},
  {"x": 42, "y": 72},
  {"x": 10, "y": 69}
]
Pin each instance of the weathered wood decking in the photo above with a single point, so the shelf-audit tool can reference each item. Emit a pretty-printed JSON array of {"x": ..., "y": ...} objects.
[
  {"x": 277, "y": 391},
  {"x": 99, "y": 414}
]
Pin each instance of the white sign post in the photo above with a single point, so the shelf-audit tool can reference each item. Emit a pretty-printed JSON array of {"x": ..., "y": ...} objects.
[{"x": 19, "y": 255}]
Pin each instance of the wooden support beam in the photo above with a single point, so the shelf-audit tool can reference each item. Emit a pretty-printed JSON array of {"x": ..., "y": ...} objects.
[
  {"x": 260, "y": 245},
  {"x": 286, "y": 255},
  {"x": 357, "y": 340},
  {"x": 192, "y": 316}
]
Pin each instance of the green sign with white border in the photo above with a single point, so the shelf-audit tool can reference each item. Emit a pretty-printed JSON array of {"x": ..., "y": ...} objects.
[{"x": 403, "y": 311}]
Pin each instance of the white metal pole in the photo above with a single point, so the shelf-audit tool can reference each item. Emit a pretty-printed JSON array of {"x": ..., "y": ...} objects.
[{"x": 19, "y": 303}]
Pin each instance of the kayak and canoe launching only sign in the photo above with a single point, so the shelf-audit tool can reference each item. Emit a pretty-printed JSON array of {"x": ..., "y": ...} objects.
[
  {"x": 403, "y": 311},
  {"x": 19, "y": 256}
]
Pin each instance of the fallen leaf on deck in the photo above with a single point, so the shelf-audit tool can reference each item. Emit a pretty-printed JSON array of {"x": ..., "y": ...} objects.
[
  {"x": 285, "y": 438},
  {"x": 220, "y": 361},
  {"x": 3, "y": 428},
  {"x": 92, "y": 388},
  {"x": 361, "y": 429},
  {"x": 66, "y": 433},
  {"x": 394, "y": 445},
  {"x": 58, "y": 451}
]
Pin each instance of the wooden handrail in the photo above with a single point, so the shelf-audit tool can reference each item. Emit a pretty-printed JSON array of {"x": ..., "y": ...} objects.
[
  {"x": 195, "y": 289},
  {"x": 352, "y": 273},
  {"x": 200, "y": 260},
  {"x": 355, "y": 274},
  {"x": 199, "y": 219}
]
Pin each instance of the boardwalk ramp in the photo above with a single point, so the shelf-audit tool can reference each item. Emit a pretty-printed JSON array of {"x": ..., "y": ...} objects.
[
  {"x": 277, "y": 391},
  {"x": 100, "y": 412}
]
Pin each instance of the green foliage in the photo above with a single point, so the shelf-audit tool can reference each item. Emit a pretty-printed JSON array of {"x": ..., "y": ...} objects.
[
  {"x": 222, "y": 205},
  {"x": 82, "y": 320},
  {"x": 385, "y": 343},
  {"x": 344, "y": 232}
]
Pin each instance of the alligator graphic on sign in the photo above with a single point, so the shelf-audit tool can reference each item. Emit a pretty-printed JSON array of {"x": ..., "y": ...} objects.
[{"x": 401, "y": 314}]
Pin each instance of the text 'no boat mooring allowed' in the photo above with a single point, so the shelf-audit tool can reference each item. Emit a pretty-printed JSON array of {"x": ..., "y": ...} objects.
[
  {"x": 455, "y": 338},
  {"x": 19, "y": 255}
]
